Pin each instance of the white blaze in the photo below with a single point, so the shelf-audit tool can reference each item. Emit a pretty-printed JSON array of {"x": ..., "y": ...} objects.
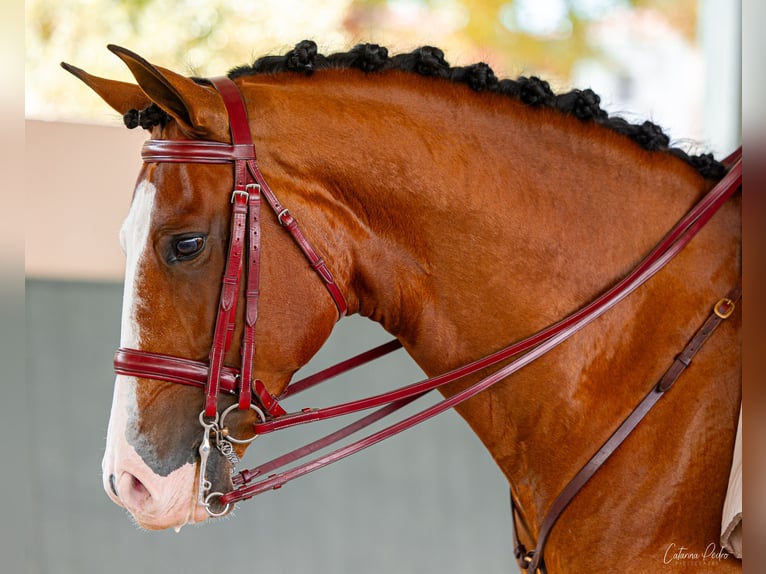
[
  {"x": 134, "y": 238},
  {"x": 159, "y": 502}
]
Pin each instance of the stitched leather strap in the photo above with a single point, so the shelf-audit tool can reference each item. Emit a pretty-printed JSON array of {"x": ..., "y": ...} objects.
[
  {"x": 227, "y": 307},
  {"x": 252, "y": 293},
  {"x": 183, "y": 151},
  {"x": 131, "y": 362},
  {"x": 245, "y": 217}
]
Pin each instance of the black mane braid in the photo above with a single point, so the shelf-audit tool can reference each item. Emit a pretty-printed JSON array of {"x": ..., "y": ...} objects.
[{"x": 429, "y": 61}]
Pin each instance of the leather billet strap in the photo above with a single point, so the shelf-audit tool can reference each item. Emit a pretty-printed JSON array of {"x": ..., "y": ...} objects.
[
  {"x": 533, "y": 561},
  {"x": 227, "y": 308},
  {"x": 252, "y": 292}
]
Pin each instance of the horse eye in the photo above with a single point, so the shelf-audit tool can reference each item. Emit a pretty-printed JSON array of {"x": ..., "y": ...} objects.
[{"x": 187, "y": 247}]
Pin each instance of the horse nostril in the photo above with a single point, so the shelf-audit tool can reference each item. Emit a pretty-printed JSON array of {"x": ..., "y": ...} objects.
[
  {"x": 113, "y": 485},
  {"x": 131, "y": 492},
  {"x": 137, "y": 487}
]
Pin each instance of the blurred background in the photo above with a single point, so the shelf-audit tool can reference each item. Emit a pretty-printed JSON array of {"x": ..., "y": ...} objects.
[
  {"x": 430, "y": 500},
  {"x": 676, "y": 61}
]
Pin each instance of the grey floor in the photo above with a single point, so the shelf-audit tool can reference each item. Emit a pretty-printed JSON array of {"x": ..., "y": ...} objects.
[{"x": 429, "y": 500}]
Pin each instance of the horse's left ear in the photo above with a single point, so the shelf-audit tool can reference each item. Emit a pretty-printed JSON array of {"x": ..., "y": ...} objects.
[
  {"x": 198, "y": 109},
  {"x": 121, "y": 96}
]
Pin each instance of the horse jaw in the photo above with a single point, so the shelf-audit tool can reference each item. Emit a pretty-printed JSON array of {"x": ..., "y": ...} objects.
[{"x": 154, "y": 501}]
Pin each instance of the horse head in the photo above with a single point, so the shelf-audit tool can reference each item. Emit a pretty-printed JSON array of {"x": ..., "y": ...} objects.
[{"x": 176, "y": 238}]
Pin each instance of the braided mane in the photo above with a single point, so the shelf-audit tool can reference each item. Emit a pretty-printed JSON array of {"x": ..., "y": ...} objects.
[{"x": 429, "y": 61}]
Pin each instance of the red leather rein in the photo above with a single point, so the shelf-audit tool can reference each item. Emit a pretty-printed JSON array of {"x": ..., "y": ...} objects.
[{"x": 214, "y": 377}]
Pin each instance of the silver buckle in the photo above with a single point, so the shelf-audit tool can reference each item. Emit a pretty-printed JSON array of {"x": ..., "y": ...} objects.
[
  {"x": 237, "y": 192},
  {"x": 281, "y": 216}
]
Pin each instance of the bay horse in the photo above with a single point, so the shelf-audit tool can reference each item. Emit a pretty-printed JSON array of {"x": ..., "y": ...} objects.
[{"x": 462, "y": 213}]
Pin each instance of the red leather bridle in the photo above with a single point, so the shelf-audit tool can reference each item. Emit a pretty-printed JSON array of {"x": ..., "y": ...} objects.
[
  {"x": 245, "y": 240},
  {"x": 214, "y": 377}
]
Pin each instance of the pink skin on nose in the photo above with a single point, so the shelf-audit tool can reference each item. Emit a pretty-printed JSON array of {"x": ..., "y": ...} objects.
[{"x": 155, "y": 502}]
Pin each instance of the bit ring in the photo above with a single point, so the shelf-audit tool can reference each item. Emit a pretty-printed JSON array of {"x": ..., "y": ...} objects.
[
  {"x": 257, "y": 410},
  {"x": 212, "y": 513}
]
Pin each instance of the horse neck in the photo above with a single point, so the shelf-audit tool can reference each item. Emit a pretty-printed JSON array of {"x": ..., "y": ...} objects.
[
  {"x": 461, "y": 201},
  {"x": 463, "y": 222}
]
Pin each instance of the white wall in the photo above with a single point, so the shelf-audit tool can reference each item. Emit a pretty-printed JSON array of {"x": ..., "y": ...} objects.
[{"x": 79, "y": 183}]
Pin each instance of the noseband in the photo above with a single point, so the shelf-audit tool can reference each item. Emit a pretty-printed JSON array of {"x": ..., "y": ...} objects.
[{"x": 244, "y": 250}]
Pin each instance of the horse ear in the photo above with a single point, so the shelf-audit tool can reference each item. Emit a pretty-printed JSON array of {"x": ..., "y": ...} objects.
[
  {"x": 197, "y": 109},
  {"x": 121, "y": 96}
]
